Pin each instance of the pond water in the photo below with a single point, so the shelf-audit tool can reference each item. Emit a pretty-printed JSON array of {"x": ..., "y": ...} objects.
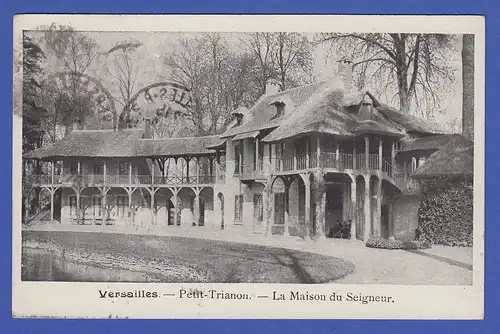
[{"x": 43, "y": 265}]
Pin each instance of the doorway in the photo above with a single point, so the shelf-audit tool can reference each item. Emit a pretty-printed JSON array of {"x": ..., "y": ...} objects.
[{"x": 334, "y": 208}]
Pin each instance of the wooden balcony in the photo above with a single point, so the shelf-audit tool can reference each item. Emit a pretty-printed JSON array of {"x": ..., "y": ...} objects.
[{"x": 93, "y": 180}]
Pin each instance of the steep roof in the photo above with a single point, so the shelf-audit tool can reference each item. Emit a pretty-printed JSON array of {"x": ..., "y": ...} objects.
[
  {"x": 373, "y": 127},
  {"x": 263, "y": 112},
  {"x": 455, "y": 159},
  {"x": 428, "y": 143},
  {"x": 125, "y": 143},
  {"x": 409, "y": 122}
]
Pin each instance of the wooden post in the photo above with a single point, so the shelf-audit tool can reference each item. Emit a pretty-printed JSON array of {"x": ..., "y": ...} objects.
[
  {"x": 337, "y": 152},
  {"x": 130, "y": 174},
  {"x": 104, "y": 172},
  {"x": 196, "y": 208},
  {"x": 217, "y": 165},
  {"x": 187, "y": 169},
  {"x": 52, "y": 203},
  {"x": 78, "y": 168},
  {"x": 353, "y": 210},
  {"x": 152, "y": 204},
  {"x": 378, "y": 211},
  {"x": 131, "y": 215},
  {"x": 393, "y": 157},
  {"x": 308, "y": 151},
  {"x": 318, "y": 150},
  {"x": 307, "y": 207},
  {"x": 52, "y": 170},
  {"x": 367, "y": 152},
  {"x": 354, "y": 157},
  {"x": 294, "y": 157},
  {"x": 380, "y": 145},
  {"x": 176, "y": 207},
  {"x": 256, "y": 154},
  {"x": 367, "y": 206},
  {"x": 197, "y": 170},
  {"x": 286, "y": 232},
  {"x": 78, "y": 207},
  {"x": 152, "y": 173}
]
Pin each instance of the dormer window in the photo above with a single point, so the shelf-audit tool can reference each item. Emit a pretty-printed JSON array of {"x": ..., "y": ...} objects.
[
  {"x": 280, "y": 109},
  {"x": 239, "y": 119}
]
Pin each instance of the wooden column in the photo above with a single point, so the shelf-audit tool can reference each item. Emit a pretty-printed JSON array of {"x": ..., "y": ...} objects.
[
  {"x": 353, "y": 210},
  {"x": 256, "y": 154},
  {"x": 380, "y": 146},
  {"x": 78, "y": 168},
  {"x": 217, "y": 165},
  {"x": 187, "y": 169},
  {"x": 287, "y": 208},
  {"x": 197, "y": 170},
  {"x": 318, "y": 150},
  {"x": 131, "y": 215},
  {"x": 104, "y": 176},
  {"x": 104, "y": 205},
  {"x": 393, "y": 155},
  {"x": 377, "y": 223},
  {"x": 308, "y": 151},
  {"x": 307, "y": 207},
  {"x": 294, "y": 157},
  {"x": 270, "y": 212},
  {"x": 367, "y": 206},
  {"x": 337, "y": 153},
  {"x": 130, "y": 174},
  {"x": 52, "y": 191},
  {"x": 175, "y": 202},
  {"x": 367, "y": 152},
  {"x": 52, "y": 170},
  {"x": 152, "y": 172},
  {"x": 196, "y": 208},
  {"x": 354, "y": 158},
  {"x": 320, "y": 199}
]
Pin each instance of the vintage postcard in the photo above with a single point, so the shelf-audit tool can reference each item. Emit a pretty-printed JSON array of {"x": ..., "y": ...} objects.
[{"x": 233, "y": 166}]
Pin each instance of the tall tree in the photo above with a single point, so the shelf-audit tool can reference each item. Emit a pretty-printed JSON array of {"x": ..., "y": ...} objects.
[
  {"x": 415, "y": 66},
  {"x": 468, "y": 85},
  {"x": 219, "y": 79},
  {"x": 34, "y": 115},
  {"x": 74, "y": 53}
]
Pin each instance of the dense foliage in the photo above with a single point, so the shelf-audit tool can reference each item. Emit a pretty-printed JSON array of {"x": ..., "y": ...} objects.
[
  {"x": 397, "y": 244},
  {"x": 446, "y": 212}
]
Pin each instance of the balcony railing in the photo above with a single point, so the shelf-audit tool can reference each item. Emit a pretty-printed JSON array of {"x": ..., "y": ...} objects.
[
  {"x": 332, "y": 160},
  {"x": 98, "y": 180}
]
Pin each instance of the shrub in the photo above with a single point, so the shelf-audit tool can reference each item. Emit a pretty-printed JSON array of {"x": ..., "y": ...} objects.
[
  {"x": 446, "y": 211},
  {"x": 397, "y": 244}
]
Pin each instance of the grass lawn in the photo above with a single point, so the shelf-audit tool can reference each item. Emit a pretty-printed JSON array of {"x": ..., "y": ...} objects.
[{"x": 193, "y": 260}]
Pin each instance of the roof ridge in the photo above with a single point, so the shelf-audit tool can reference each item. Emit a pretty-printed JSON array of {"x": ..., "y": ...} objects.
[{"x": 295, "y": 88}]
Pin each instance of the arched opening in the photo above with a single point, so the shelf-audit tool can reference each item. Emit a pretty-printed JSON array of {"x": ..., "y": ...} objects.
[
  {"x": 359, "y": 208},
  {"x": 278, "y": 209},
  {"x": 257, "y": 193},
  {"x": 337, "y": 187},
  {"x": 38, "y": 204},
  {"x": 164, "y": 208},
  {"x": 185, "y": 202},
  {"x": 220, "y": 196},
  {"x": 206, "y": 206},
  {"x": 389, "y": 194},
  {"x": 141, "y": 207}
]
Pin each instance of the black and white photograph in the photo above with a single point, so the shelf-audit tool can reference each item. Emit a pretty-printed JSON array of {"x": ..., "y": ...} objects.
[{"x": 283, "y": 156}]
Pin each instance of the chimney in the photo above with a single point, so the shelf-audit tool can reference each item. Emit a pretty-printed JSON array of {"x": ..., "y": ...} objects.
[
  {"x": 148, "y": 130},
  {"x": 272, "y": 86},
  {"x": 345, "y": 72}
]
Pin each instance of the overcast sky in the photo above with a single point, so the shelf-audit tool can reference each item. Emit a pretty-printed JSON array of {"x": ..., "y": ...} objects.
[{"x": 154, "y": 44}]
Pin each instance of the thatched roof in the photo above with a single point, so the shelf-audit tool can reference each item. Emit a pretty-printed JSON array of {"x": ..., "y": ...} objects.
[
  {"x": 263, "y": 111},
  {"x": 455, "y": 159},
  {"x": 372, "y": 127},
  {"x": 410, "y": 123},
  {"x": 125, "y": 143},
  {"x": 428, "y": 143}
]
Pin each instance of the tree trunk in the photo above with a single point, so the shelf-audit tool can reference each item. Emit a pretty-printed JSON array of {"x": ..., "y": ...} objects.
[{"x": 468, "y": 86}]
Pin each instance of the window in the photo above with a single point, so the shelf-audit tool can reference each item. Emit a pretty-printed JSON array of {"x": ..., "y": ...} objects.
[
  {"x": 123, "y": 167},
  {"x": 279, "y": 208},
  {"x": 238, "y": 208},
  {"x": 99, "y": 168},
  {"x": 280, "y": 109},
  {"x": 73, "y": 167},
  {"x": 238, "y": 153},
  {"x": 258, "y": 208}
]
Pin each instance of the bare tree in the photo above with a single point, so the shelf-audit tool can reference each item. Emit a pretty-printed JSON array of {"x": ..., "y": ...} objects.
[
  {"x": 219, "y": 79},
  {"x": 414, "y": 66},
  {"x": 468, "y": 86},
  {"x": 262, "y": 46}
]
